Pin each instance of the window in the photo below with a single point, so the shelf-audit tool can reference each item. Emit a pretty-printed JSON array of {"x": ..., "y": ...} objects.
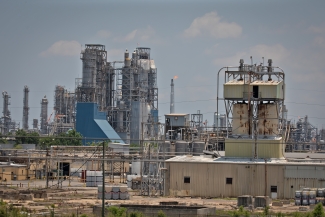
[
  {"x": 187, "y": 179},
  {"x": 274, "y": 189},
  {"x": 229, "y": 181}
]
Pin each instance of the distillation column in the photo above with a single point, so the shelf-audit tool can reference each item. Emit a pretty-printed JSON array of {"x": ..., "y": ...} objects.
[
  {"x": 25, "y": 108},
  {"x": 6, "y": 113},
  {"x": 44, "y": 104}
]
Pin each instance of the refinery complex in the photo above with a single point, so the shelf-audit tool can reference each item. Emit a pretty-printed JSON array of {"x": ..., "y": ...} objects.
[{"x": 251, "y": 149}]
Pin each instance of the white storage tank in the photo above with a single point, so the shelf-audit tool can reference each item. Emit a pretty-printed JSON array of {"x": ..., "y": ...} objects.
[
  {"x": 181, "y": 148},
  {"x": 136, "y": 165},
  {"x": 198, "y": 148}
]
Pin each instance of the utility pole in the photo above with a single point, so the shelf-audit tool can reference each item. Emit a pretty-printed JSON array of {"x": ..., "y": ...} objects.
[
  {"x": 103, "y": 189},
  {"x": 58, "y": 171},
  {"x": 46, "y": 169}
]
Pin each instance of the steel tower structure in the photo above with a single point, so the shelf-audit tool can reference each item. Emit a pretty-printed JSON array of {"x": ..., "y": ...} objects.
[
  {"x": 254, "y": 104},
  {"x": 136, "y": 95},
  {"x": 97, "y": 77},
  {"x": 64, "y": 108},
  {"x": 25, "y": 108},
  {"x": 6, "y": 119},
  {"x": 44, "y": 120}
]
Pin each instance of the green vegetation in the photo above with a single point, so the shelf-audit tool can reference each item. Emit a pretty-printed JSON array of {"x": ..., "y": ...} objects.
[
  {"x": 18, "y": 146},
  {"x": 116, "y": 211},
  {"x": 318, "y": 211},
  {"x": 3, "y": 139},
  {"x": 136, "y": 214},
  {"x": 70, "y": 138},
  {"x": 266, "y": 211},
  {"x": 161, "y": 214},
  {"x": 99, "y": 143},
  {"x": 22, "y": 137},
  {"x": 240, "y": 212}
]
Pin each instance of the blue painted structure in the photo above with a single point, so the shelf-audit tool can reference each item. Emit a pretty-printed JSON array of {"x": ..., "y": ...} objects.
[{"x": 93, "y": 125}]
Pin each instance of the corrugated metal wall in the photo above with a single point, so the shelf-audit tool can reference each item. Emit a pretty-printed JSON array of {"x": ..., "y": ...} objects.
[
  {"x": 235, "y": 90},
  {"x": 244, "y": 148},
  {"x": 209, "y": 179}
]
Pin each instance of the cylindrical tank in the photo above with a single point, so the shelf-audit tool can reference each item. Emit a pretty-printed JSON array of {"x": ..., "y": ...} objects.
[
  {"x": 172, "y": 148},
  {"x": 181, "y": 147},
  {"x": 298, "y": 195},
  {"x": 136, "y": 165},
  {"x": 89, "y": 69},
  {"x": 134, "y": 58},
  {"x": 320, "y": 192},
  {"x": 312, "y": 197},
  {"x": 305, "y": 198},
  {"x": 164, "y": 148},
  {"x": 198, "y": 148},
  {"x": 127, "y": 60}
]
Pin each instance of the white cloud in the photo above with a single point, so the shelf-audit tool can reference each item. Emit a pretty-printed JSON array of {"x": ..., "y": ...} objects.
[
  {"x": 63, "y": 48},
  {"x": 277, "y": 53},
  {"x": 115, "y": 54},
  {"x": 317, "y": 29},
  {"x": 104, "y": 34},
  {"x": 319, "y": 41},
  {"x": 211, "y": 25},
  {"x": 147, "y": 34}
]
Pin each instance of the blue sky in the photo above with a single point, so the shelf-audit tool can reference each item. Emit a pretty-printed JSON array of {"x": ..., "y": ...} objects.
[{"x": 40, "y": 45}]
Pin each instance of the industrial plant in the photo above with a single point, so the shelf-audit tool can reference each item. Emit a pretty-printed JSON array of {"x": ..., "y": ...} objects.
[{"x": 252, "y": 149}]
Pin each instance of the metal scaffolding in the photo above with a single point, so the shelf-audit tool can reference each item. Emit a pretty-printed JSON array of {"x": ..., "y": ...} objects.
[
  {"x": 65, "y": 109},
  {"x": 6, "y": 123}
]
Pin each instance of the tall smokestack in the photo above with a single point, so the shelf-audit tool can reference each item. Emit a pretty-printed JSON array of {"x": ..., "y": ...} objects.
[
  {"x": 25, "y": 108},
  {"x": 172, "y": 104}
]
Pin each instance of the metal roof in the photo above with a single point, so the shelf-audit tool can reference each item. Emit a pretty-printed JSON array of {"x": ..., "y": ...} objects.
[
  {"x": 108, "y": 130},
  {"x": 266, "y": 83},
  {"x": 236, "y": 82},
  {"x": 210, "y": 159},
  {"x": 177, "y": 114}
]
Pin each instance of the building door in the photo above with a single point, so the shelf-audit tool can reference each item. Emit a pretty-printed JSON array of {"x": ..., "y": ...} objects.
[
  {"x": 274, "y": 192},
  {"x": 255, "y": 91}
]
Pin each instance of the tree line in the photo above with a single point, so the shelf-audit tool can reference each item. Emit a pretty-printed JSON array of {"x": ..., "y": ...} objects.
[{"x": 69, "y": 138}]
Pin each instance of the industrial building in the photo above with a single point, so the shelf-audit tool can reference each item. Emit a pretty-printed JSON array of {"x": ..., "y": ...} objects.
[
  {"x": 255, "y": 135},
  {"x": 199, "y": 176},
  {"x": 128, "y": 94}
]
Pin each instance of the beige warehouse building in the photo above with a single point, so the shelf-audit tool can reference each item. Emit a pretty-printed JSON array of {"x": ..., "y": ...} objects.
[{"x": 199, "y": 176}]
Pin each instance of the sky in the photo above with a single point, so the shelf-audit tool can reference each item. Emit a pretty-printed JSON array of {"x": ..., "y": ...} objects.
[{"x": 41, "y": 41}]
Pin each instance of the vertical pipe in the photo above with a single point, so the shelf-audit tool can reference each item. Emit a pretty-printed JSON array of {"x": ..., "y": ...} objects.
[
  {"x": 172, "y": 99},
  {"x": 265, "y": 178},
  {"x": 103, "y": 189},
  {"x": 46, "y": 168}
]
